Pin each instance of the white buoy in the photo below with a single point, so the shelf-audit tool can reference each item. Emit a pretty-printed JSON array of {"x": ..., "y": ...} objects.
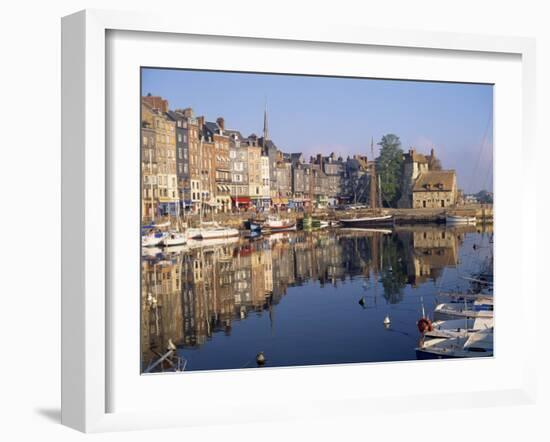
[{"x": 387, "y": 320}]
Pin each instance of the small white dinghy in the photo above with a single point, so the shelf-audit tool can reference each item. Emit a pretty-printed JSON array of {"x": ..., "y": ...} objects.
[{"x": 457, "y": 219}]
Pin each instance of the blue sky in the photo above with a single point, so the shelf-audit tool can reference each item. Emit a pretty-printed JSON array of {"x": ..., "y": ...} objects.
[{"x": 329, "y": 114}]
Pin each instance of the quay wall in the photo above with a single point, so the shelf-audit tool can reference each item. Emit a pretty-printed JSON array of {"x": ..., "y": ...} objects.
[{"x": 483, "y": 213}]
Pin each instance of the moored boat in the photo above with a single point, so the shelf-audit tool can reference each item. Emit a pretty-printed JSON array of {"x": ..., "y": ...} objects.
[
  {"x": 174, "y": 238},
  {"x": 252, "y": 225},
  {"x": 459, "y": 297},
  {"x": 153, "y": 234},
  {"x": 458, "y": 219},
  {"x": 368, "y": 221},
  {"x": 475, "y": 344},
  {"x": 275, "y": 224},
  {"x": 212, "y": 231},
  {"x": 457, "y": 327},
  {"x": 152, "y": 239},
  {"x": 481, "y": 308}
]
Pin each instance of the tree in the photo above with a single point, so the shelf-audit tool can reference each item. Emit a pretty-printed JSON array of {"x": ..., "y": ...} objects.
[
  {"x": 389, "y": 168},
  {"x": 393, "y": 272}
]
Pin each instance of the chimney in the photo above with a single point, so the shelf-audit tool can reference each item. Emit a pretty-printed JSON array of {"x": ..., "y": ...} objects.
[{"x": 221, "y": 123}]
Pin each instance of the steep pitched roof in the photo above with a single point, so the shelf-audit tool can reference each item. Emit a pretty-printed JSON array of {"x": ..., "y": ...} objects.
[
  {"x": 234, "y": 133},
  {"x": 212, "y": 127},
  {"x": 435, "y": 180}
]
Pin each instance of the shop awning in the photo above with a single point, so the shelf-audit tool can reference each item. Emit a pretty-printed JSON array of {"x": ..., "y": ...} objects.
[
  {"x": 241, "y": 200},
  {"x": 279, "y": 201}
]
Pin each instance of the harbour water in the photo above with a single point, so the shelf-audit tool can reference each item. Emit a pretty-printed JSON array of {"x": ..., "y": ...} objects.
[{"x": 302, "y": 298}]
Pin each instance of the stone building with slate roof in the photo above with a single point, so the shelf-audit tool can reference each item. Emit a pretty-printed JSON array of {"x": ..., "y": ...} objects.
[
  {"x": 435, "y": 189},
  {"x": 424, "y": 185}
]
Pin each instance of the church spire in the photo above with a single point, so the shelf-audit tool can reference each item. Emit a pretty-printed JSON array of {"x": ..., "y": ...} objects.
[{"x": 265, "y": 125}]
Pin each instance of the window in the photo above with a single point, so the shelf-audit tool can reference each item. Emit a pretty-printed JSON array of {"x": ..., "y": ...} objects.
[{"x": 179, "y": 138}]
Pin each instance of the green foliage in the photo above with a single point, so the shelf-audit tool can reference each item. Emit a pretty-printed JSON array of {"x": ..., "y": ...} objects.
[
  {"x": 393, "y": 275},
  {"x": 389, "y": 167}
]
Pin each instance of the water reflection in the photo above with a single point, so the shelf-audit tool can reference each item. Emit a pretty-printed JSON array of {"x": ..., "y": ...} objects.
[{"x": 196, "y": 292}]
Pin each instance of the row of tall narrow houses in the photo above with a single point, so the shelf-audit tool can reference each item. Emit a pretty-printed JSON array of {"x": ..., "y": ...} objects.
[
  {"x": 158, "y": 160},
  {"x": 188, "y": 163}
]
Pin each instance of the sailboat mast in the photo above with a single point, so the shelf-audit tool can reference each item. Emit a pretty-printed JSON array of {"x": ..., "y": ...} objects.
[
  {"x": 373, "y": 177},
  {"x": 152, "y": 188},
  {"x": 379, "y": 192},
  {"x": 200, "y": 182}
]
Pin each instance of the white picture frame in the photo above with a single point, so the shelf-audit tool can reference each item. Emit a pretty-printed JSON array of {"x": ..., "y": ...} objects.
[{"x": 86, "y": 318}]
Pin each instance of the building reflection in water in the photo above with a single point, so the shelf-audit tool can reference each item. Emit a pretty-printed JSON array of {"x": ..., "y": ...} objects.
[{"x": 189, "y": 294}]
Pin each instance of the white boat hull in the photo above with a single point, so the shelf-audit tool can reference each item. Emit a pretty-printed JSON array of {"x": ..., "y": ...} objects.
[
  {"x": 151, "y": 241},
  {"x": 174, "y": 239},
  {"x": 448, "y": 311},
  {"x": 368, "y": 221},
  {"x": 475, "y": 344},
  {"x": 213, "y": 233},
  {"x": 454, "y": 219}
]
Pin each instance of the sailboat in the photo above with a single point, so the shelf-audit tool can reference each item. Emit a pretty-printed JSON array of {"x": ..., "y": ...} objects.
[
  {"x": 209, "y": 230},
  {"x": 457, "y": 327},
  {"x": 152, "y": 234},
  {"x": 379, "y": 218},
  {"x": 480, "y": 308},
  {"x": 475, "y": 344},
  {"x": 175, "y": 237}
]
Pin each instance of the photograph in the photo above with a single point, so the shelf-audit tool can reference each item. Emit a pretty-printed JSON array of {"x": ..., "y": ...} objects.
[{"x": 292, "y": 220}]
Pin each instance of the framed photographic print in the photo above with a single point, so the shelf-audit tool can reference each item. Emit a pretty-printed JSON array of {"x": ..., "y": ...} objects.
[{"x": 290, "y": 208}]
